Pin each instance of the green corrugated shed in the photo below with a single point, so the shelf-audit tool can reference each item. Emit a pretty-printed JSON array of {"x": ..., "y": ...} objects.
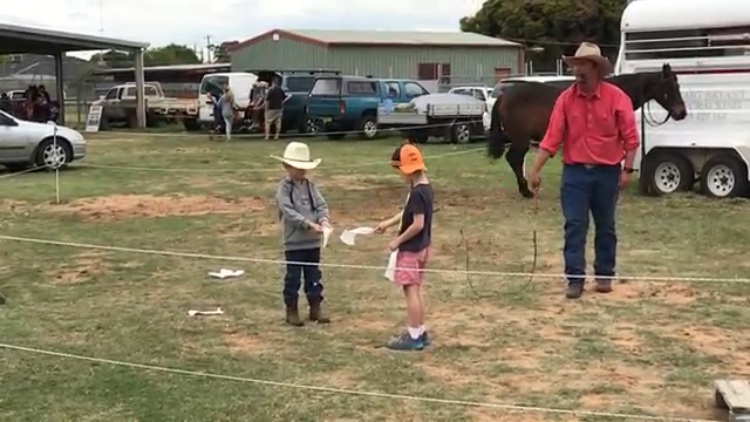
[{"x": 380, "y": 53}]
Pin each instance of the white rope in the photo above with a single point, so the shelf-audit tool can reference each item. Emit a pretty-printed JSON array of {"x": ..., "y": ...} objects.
[
  {"x": 361, "y": 267},
  {"x": 332, "y": 390},
  {"x": 18, "y": 173},
  {"x": 264, "y": 170},
  {"x": 285, "y": 135}
]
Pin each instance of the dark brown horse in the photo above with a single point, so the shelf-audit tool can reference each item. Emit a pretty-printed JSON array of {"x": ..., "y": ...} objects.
[{"x": 523, "y": 112}]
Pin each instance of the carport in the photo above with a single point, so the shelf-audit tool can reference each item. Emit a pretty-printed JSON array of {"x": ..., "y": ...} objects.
[{"x": 16, "y": 39}]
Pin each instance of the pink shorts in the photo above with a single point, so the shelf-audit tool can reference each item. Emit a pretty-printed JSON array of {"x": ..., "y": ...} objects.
[{"x": 408, "y": 265}]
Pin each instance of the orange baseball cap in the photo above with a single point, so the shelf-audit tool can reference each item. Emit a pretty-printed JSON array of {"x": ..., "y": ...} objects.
[{"x": 408, "y": 159}]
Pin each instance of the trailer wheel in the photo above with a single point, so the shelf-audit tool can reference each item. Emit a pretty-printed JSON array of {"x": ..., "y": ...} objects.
[
  {"x": 669, "y": 172},
  {"x": 461, "y": 133},
  {"x": 724, "y": 176}
]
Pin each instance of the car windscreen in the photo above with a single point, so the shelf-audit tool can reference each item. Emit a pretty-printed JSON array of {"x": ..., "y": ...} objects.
[
  {"x": 214, "y": 84},
  {"x": 326, "y": 86}
]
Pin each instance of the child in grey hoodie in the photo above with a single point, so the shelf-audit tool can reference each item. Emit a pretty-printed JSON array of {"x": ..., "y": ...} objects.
[{"x": 303, "y": 213}]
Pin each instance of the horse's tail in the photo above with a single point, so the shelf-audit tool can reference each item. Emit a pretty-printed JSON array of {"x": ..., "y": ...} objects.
[{"x": 497, "y": 139}]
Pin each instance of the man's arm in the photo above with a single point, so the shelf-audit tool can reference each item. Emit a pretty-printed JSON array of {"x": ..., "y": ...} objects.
[
  {"x": 625, "y": 116},
  {"x": 553, "y": 138}
]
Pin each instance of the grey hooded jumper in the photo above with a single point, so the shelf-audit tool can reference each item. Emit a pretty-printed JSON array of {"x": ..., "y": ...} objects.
[{"x": 300, "y": 204}]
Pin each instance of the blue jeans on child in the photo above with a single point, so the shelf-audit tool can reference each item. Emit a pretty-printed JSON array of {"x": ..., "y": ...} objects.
[
  {"x": 589, "y": 189},
  {"x": 295, "y": 272}
]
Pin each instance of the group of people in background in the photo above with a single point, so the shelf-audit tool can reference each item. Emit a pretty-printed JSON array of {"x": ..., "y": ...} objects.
[
  {"x": 35, "y": 106},
  {"x": 265, "y": 109}
]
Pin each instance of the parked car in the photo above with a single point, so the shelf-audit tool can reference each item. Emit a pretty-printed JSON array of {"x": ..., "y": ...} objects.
[
  {"x": 481, "y": 93},
  {"x": 24, "y": 144},
  {"x": 506, "y": 83},
  {"x": 350, "y": 103}
]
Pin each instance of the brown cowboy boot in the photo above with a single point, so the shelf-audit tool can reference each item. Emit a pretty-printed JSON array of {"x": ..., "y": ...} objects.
[
  {"x": 316, "y": 314},
  {"x": 292, "y": 314}
]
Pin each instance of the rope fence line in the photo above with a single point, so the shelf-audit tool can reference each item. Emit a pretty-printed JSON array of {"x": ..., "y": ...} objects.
[
  {"x": 288, "y": 135},
  {"x": 349, "y": 392},
  {"x": 265, "y": 170},
  {"x": 499, "y": 274}
]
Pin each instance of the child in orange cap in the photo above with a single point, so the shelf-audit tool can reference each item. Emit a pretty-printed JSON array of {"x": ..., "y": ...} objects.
[{"x": 413, "y": 243}]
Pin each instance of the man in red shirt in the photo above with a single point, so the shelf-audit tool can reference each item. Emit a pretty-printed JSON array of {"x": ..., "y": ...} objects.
[{"x": 594, "y": 123}]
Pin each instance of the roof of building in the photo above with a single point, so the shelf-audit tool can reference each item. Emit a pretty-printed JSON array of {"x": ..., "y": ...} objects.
[
  {"x": 656, "y": 15},
  {"x": 169, "y": 68},
  {"x": 15, "y": 39},
  {"x": 381, "y": 38}
]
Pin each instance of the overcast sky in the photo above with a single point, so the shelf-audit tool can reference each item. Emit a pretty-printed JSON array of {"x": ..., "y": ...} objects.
[{"x": 187, "y": 22}]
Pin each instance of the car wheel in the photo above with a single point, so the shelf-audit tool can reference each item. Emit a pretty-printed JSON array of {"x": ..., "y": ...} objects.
[
  {"x": 724, "y": 176},
  {"x": 668, "y": 173},
  {"x": 368, "y": 127},
  {"x": 313, "y": 125},
  {"x": 53, "y": 155},
  {"x": 461, "y": 133}
]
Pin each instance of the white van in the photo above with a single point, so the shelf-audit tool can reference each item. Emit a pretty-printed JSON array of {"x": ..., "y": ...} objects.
[
  {"x": 708, "y": 47},
  {"x": 240, "y": 82}
]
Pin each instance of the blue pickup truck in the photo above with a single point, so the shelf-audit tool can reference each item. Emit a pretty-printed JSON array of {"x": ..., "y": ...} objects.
[{"x": 339, "y": 104}]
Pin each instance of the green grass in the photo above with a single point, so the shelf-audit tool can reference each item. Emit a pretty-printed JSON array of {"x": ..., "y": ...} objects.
[{"x": 646, "y": 348}]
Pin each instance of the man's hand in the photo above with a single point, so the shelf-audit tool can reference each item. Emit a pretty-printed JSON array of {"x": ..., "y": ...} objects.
[
  {"x": 625, "y": 179},
  {"x": 393, "y": 245},
  {"x": 535, "y": 180}
]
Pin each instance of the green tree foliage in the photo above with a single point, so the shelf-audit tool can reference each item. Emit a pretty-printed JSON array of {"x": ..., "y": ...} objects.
[
  {"x": 221, "y": 52},
  {"x": 171, "y": 54},
  {"x": 556, "y": 25}
]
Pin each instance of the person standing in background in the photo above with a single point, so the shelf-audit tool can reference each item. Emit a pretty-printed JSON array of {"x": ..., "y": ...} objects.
[{"x": 275, "y": 99}]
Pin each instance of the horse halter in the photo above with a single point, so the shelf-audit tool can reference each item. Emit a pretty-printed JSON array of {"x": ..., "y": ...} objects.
[{"x": 648, "y": 116}]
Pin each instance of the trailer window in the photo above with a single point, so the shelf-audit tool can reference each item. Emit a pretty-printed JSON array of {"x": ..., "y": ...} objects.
[{"x": 684, "y": 44}]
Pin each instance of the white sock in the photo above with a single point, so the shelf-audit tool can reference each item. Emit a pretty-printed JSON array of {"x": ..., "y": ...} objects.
[
  {"x": 414, "y": 333},
  {"x": 422, "y": 329}
]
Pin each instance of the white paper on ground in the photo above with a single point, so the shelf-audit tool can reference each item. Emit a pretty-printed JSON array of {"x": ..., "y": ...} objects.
[
  {"x": 326, "y": 235},
  {"x": 390, "y": 270},
  {"x": 225, "y": 273},
  {"x": 218, "y": 311},
  {"x": 348, "y": 235}
]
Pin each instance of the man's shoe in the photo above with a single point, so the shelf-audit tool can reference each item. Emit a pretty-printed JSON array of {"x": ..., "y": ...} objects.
[
  {"x": 604, "y": 286},
  {"x": 292, "y": 314},
  {"x": 405, "y": 342},
  {"x": 316, "y": 314}
]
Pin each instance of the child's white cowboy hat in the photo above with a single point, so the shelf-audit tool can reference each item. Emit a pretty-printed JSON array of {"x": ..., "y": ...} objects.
[
  {"x": 591, "y": 52},
  {"x": 297, "y": 155}
]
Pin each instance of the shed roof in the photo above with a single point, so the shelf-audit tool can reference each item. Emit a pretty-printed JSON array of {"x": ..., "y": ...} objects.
[
  {"x": 202, "y": 67},
  {"x": 382, "y": 38},
  {"x": 15, "y": 39}
]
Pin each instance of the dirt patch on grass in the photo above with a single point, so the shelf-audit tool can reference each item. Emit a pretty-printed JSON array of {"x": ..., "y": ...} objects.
[
  {"x": 84, "y": 265},
  {"x": 244, "y": 343},
  {"x": 134, "y": 206}
]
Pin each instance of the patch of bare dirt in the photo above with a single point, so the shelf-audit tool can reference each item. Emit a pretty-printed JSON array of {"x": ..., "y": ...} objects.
[
  {"x": 244, "y": 343},
  {"x": 349, "y": 182},
  {"x": 135, "y": 206},
  {"x": 83, "y": 266},
  {"x": 672, "y": 294}
]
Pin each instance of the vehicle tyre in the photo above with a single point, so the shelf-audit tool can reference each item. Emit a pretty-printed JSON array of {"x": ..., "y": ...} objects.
[
  {"x": 420, "y": 137},
  {"x": 191, "y": 125},
  {"x": 313, "y": 126},
  {"x": 669, "y": 172},
  {"x": 368, "y": 127},
  {"x": 724, "y": 176},
  {"x": 54, "y": 155},
  {"x": 461, "y": 133}
]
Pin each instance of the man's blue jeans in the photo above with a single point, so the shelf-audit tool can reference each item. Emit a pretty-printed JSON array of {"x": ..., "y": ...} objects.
[{"x": 584, "y": 190}]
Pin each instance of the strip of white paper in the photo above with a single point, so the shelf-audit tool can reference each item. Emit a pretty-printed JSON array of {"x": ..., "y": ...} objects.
[{"x": 348, "y": 236}]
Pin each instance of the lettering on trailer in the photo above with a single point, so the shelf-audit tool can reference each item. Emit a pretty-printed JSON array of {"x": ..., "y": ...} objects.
[{"x": 712, "y": 105}]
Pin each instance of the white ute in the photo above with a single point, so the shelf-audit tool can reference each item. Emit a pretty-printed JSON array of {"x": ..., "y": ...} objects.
[{"x": 708, "y": 45}]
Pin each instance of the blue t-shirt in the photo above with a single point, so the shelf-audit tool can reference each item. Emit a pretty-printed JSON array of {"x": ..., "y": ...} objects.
[{"x": 420, "y": 201}]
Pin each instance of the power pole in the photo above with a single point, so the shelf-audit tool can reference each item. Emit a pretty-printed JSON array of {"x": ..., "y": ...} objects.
[{"x": 209, "y": 47}]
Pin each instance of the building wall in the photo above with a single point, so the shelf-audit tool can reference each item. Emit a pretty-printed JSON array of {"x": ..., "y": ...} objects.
[
  {"x": 403, "y": 62},
  {"x": 285, "y": 54}
]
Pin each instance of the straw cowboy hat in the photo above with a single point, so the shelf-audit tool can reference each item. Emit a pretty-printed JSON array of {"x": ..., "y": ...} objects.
[
  {"x": 591, "y": 52},
  {"x": 297, "y": 155}
]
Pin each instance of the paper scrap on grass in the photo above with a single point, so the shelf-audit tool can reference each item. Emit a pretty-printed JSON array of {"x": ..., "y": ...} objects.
[
  {"x": 348, "y": 235},
  {"x": 225, "y": 273},
  {"x": 390, "y": 270},
  {"x": 192, "y": 312},
  {"x": 326, "y": 235}
]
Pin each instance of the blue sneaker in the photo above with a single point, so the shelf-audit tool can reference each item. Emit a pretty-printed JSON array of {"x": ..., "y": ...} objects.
[
  {"x": 405, "y": 342},
  {"x": 426, "y": 340}
]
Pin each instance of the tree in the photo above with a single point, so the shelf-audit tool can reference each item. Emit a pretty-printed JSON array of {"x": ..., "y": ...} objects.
[
  {"x": 556, "y": 25},
  {"x": 221, "y": 51},
  {"x": 171, "y": 54}
]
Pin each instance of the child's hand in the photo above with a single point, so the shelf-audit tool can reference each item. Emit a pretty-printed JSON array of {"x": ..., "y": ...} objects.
[
  {"x": 317, "y": 228},
  {"x": 381, "y": 227},
  {"x": 393, "y": 245}
]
